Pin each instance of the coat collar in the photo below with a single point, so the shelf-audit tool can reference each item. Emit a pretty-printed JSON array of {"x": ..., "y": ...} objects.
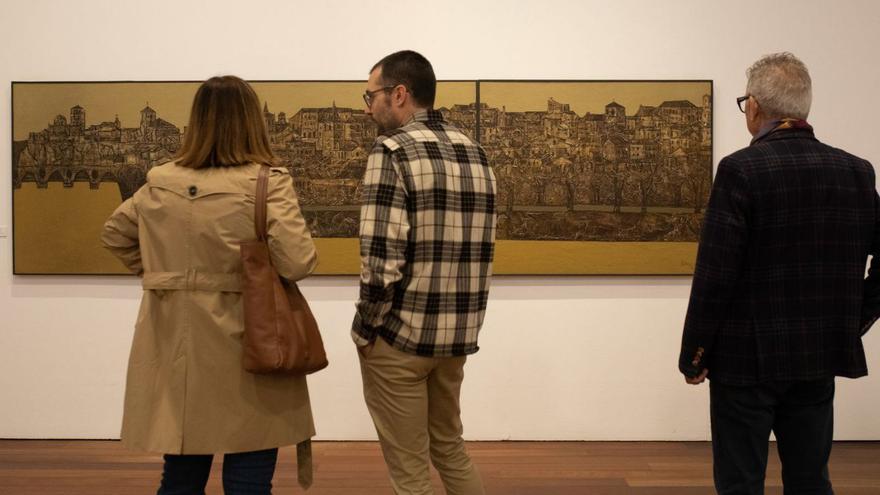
[{"x": 787, "y": 129}]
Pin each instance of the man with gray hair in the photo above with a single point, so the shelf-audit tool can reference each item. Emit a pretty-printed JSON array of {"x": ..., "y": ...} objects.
[{"x": 779, "y": 301}]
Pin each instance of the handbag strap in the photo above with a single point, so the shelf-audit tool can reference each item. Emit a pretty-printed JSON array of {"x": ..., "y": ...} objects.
[{"x": 260, "y": 203}]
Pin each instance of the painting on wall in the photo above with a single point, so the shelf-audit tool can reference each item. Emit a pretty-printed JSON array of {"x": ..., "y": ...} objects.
[
  {"x": 598, "y": 177},
  {"x": 81, "y": 148},
  {"x": 594, "y": 177}
]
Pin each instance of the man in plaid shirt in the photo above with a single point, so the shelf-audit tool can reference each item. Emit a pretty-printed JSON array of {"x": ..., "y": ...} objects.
[
  {"x": 780, "y": 301},
  {"x": 427, "y": 237}
]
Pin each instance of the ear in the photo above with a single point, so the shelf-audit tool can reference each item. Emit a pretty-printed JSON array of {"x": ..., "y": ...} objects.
[
  {"x": 754, "y": 108},
  {"x": 399, "y": 95}
]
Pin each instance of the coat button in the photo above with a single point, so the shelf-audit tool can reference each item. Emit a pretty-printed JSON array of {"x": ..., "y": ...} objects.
[{"x": 193, "y": 190}]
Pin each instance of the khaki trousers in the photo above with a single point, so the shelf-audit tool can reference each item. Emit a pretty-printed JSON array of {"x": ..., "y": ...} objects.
[{"x": 414, "y": 403}]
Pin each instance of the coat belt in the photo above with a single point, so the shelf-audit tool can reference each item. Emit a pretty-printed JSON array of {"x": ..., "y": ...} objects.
[{"x": 192, "y": 280}]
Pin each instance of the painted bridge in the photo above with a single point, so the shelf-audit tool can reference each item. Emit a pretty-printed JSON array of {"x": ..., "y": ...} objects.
[{"x": 128, "y": 177}]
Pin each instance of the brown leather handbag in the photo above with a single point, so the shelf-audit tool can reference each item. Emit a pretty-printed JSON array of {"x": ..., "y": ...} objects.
[{"x": 280, "y": 333}]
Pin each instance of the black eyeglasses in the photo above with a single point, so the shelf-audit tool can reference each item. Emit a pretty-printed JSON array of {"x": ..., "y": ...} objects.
[
  {"x": 740, "y": 102},
  {"x": 369, "y": 95}
]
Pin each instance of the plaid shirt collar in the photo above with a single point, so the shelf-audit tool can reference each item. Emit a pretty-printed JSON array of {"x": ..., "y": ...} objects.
[{"x": 426, "y": 116}]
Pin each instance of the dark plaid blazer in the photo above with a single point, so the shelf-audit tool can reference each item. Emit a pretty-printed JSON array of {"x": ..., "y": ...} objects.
[
  {"x": 779, "y": 290},
  {"x": 427, "y": 235}
]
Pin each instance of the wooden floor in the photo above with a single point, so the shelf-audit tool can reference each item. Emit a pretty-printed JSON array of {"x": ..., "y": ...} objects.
[{"x": 37, "y": 467}]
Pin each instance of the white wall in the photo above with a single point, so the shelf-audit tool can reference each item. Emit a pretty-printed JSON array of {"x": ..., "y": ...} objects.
[{"x": 562, "y": 358}]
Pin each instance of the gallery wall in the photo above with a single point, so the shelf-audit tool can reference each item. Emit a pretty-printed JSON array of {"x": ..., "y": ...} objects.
[{"x": 575, "y": 358}]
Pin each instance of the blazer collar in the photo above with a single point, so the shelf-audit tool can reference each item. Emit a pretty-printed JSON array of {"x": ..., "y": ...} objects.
[{"x": 804, "y": 132}]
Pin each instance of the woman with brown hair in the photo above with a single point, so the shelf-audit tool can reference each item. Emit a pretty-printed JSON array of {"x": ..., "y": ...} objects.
[{"x": 187, "y": 395}]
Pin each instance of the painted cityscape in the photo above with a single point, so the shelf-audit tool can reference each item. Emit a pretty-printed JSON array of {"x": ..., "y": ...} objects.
[
  {"x": 640, "y": 172},
  {"x": 573, "y": 162},
  {"x": 325, "y": 149}
]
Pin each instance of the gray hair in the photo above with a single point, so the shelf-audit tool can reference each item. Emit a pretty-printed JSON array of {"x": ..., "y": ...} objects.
[{"x": 781, "y": 84}]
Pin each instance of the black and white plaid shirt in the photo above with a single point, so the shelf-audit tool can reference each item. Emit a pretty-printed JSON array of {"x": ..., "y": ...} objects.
[{"x": 427, "y": 237}]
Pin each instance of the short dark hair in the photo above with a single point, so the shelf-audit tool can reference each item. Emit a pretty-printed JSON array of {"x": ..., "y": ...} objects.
[{"x": 412, "y": 70}]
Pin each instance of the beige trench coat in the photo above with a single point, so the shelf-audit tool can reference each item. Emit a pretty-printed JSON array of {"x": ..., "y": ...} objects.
[{"x": 186, "y": 391}]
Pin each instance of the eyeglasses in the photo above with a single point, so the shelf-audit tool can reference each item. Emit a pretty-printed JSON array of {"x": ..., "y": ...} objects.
[
  {"x": 369, "y": 95},
  {"x": 740, "y": 102}
]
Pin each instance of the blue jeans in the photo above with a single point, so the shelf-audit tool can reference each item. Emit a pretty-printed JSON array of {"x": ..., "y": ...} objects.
[{"x": 245, "y": 473}]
